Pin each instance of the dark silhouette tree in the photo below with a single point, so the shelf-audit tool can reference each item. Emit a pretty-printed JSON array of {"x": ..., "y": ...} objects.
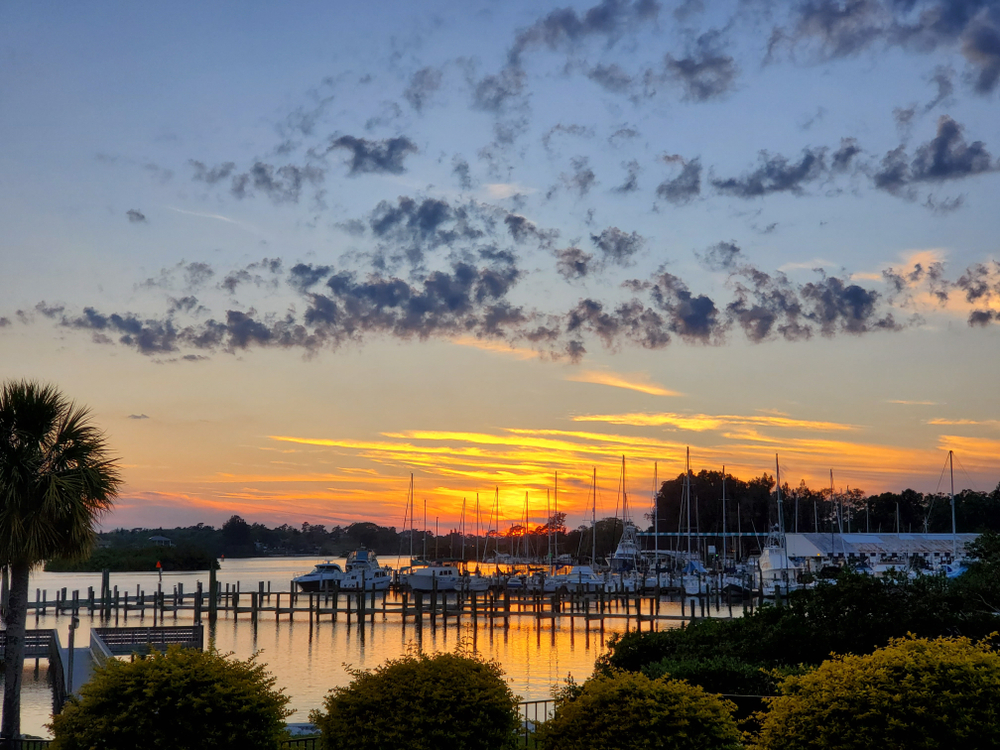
[{"x": 57, "y": 478}]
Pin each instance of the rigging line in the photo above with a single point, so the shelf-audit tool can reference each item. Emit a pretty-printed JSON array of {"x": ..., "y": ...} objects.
[
  {"x": 941, "y": 478},
  {"x": 972, "y": 484}
]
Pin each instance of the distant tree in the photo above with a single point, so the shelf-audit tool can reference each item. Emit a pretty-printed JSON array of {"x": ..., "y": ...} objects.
[
  {"x": 626, "y": 711},
  {"x": 57, "y": 477},
  {"x": 914, "y": 693},
  {"x": 420, "y": 702},
  {"x": 237, "y": 537},
  {"x": 183, "y": 698}
]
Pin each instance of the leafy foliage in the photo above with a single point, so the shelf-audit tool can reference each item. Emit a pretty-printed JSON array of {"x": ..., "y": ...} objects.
[
  {"x": 181, "y": 557},
  {"x": 181, "y": 698},
  {"x": 623, "y": 710},
  {"x": 57, "y": 477},
  {"x": 857, "y": 615},
  {"x": 420, "y": 702},
  {"x": 718, "y": 674},
  {"x": 914, "y": 694}
]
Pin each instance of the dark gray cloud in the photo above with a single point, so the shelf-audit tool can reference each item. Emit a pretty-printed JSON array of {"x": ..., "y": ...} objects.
[
  {"x": 212, "y": 175},
  {"x": 460, "y": 168},
  {"x": 137, "y": 416},
  {"x": 573, "y": 263},
  {"x": 942, "y": 79},
  {"x": 611, "y": 78},
  {"x": 685, "y": 186},
  {"x": 280, "y": 184},
  {"x": 945, "y": 157},
  {"x": 705, "y": 73},
  {"x": 375, "y": 157},
  {"x": 422, "y": 86},
  {"x": 496, "y": 93},
  {"x": 631, "y": 183},
  {"x": 981, "y": 47},
  {"x": 582, "y": 179},
  {"x": 564, "y": 27},
  {"x": 135, "y": 216},
  {"x": 836, "y": 29},
  {"x": 721, "y": 256},
  {"x": 578, "y": 131},
  {"x": 843, "y": 157},
  {"x": 4, "y": 322},
  {"x": 617, "y": 246},
  {"x": 775, "y": 174}
]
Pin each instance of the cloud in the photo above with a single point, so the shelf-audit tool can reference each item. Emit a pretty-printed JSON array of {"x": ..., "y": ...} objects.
[
  {"x": 705, "y": 73},
  {"x": 617, "y": 246},
  {"x": 704, "y": 422},
  {"x": 496, "y": 93},
  {"x": 611, "y": 78},
  {"x": 775, "y": 175},
  {"x": 628, "y": 382},
  {"x": 721, "y": 256},
  {"x": 946, "y": 157},
  {"x": 137, "y": 416},
  {"x": 135, "y": 216},
  {"x": 422, "y": 85},
  {"x": 685, "y": 186},
  {"x": 375, "y": 157},
  {"x": 460, "y": 168},
  {"x": 631, "y": 183},
  {"x": 564, "y": 27},
  {"x": 582, "y": 178},
  {"x": 280, "y": 184},
  {"x": 214, "y": 174},
  {"x": 981, "y": 47},
  {"x": 573, "y": 263}
]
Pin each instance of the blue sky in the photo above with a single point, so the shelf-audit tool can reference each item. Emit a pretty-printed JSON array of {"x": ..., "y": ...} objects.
[{"x": 289, "y": 254}]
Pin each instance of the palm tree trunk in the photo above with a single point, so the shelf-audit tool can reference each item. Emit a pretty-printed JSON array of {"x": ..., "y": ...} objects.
[{"x": 14, "y": 654}]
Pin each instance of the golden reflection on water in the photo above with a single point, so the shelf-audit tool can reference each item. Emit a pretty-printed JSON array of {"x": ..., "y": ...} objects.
[{"x": 308, "y": 660}]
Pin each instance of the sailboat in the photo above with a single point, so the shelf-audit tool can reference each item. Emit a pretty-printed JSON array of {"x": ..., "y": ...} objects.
[
  {"x": 421, "y": 575},
  {"x": 778, "y": 574},
  {"x": 694, "y": 576},
  {"x": 626, "y": 561}
]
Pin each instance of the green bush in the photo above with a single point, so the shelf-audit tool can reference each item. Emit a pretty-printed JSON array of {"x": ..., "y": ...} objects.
[
  {"x": 718, "y": 674},
  {"x": 419, "y": 702},
  {"x": 624, "y": 710},
  {"x": 122, "y": 559},
  {"x": 183, "y": 698},
  {"x": 914, "y": 694}
]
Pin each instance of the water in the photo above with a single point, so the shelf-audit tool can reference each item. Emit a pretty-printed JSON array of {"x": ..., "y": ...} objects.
[{"x": 308, "y": 661}]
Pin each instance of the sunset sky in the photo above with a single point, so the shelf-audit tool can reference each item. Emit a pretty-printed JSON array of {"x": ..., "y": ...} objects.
[{"x": 290, "y": 253}]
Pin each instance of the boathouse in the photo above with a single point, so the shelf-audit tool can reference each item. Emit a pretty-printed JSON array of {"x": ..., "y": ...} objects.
[{"x": 932, "y": 550}]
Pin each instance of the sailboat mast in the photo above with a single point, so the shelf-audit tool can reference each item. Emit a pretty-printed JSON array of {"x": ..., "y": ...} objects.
[
  {"x": 425, "y": 528},
  {"x": 463, "y": 530},
  {"x": 656, "y": 521},
  {"x": 477, "y": 531},
  {"x": 781, "y": 509},
  {"x": 593, "y": 525},
  {"x": 954, "y": 535},
  {"x": 723, "y": 515},
  {"x": 555, "y": 527},
  {"x": 412, "y": 513},
  {"x": 687, "y": 495}
]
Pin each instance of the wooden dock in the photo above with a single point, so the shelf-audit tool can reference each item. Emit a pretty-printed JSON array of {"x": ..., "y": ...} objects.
[{"x": 433, "y": 608}]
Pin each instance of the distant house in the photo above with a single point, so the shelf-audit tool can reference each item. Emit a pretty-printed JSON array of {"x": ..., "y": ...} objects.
[{"x": 160, "y": 541}]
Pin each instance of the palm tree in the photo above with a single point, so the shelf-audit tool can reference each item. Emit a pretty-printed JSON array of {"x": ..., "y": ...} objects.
[{"x": 56, "y": 479}]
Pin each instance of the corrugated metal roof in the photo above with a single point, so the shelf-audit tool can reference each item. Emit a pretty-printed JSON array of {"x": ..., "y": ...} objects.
[{"x": 810, "y": 545}]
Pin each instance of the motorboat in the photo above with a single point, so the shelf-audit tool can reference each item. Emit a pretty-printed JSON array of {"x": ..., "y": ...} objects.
[
  {"x": 426, "y": 576},
  {"x": 695, "y": 578},
  {"x": 324, "y": 577},
  {"x": 363, "y": 573}
]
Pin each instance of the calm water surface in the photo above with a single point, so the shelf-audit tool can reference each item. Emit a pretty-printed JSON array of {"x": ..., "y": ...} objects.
[{"x": 308, "y": 662}]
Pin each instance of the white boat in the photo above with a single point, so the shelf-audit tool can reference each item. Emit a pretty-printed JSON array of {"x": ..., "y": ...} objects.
[
  {"x": 695, "y": 579},
  {"x": 324, "y": 577},
  {"x": 778, "y": 573},
  {"x": 575, "y": 579},
  {"x": 424, "y": 576},
  {"x": 364, "y": 573}
]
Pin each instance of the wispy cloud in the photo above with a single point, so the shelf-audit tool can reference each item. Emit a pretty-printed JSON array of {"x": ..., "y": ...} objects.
[
  {"x": 966, "y": 422},
  {"x": 217, "y": 217},
  {"x": 497, "y": 347},
  {"x": 913, "y": 403},
  {"x": 629, "y": 382},
  {"x": 703, "y": 422}
]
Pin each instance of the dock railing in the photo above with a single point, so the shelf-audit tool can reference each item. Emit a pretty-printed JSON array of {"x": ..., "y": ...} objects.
[{"x": 108, "y": 642}]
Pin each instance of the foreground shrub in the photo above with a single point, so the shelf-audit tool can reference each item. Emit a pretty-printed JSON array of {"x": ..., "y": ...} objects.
[
  {"x": 625, "y": 710},
  {"x": 914, "y": 694},
  {"x": 718, "y": 674},
  {"x": 420, "y": 702},
  {"x": 184, "y": 698}
]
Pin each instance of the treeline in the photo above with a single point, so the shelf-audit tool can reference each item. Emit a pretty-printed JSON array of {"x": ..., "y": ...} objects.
[
  {"x": 752, "y": 506},
  {"x": 138, "y": 558}
]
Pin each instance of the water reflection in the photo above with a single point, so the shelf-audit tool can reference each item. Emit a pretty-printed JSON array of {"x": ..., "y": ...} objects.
[{"x": 308, "y": 658}]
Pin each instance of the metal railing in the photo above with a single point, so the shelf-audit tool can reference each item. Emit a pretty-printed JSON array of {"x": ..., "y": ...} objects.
[{"x": 532, "y": 714}]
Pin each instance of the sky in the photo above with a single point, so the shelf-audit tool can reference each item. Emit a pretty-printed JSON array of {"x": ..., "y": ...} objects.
[{"x": 289, "y": 255}]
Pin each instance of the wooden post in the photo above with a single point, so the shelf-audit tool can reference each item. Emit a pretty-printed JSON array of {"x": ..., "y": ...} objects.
[
  {"x": 197, "y": 604},
  {"x": 253, "y": 606},
  {"x": 213, "y": 595}
]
